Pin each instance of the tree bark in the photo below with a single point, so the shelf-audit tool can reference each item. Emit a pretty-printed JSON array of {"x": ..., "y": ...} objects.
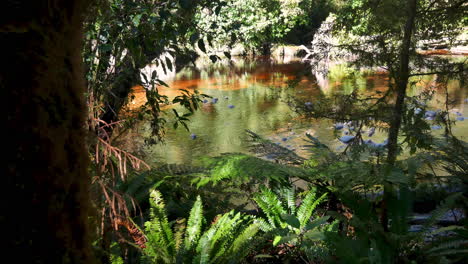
[
  {"x": 45, "y": 199},
  {"x": 402, "y": 77},
  {"x": 401, "y": 82}
]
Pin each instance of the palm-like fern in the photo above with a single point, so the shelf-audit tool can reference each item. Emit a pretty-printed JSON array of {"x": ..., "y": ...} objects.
[{"x": 227, "y": 240}]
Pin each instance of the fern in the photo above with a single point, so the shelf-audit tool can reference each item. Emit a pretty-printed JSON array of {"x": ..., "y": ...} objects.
[
  {"x": 194, "y": 225},
  {"x": 288, "y": 227},
  {"x": 264, "y": 147},
  {"x": 179, "y": 230},
  {"x": 160, "y": 232},
  {"x": 440, "y": 211},
  {"x": 272, "y": 207},
  {"x": 225, "y": 241},
  {"x": 308, "y": 206},
  {"x": 243, "y": 242},
  {"x": 447, "y": 245},
  {"x": 289, "y": 196}
]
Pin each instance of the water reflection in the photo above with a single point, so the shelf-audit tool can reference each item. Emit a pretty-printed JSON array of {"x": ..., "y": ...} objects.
[{"x": 255, "y": 90}]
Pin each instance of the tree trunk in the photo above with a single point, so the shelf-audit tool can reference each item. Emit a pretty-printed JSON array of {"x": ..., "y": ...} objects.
[
  {"x": 127, "y": 77},
  {"x": 401, "y": 83},
  {"x": 402, "y": 77},
  {"x": 45, "y": 197}
]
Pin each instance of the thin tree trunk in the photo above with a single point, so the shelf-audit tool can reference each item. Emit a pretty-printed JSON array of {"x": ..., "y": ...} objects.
[
  {"x": 402, "y": 77},
  {"x": 401, "y": 83},
  {"x": 45, "y": 199}
]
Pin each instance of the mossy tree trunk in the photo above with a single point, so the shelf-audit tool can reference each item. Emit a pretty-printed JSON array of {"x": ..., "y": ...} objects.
[{"x": 45, "y": 199}]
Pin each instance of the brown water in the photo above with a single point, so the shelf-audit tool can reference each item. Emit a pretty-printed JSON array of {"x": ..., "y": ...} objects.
[{"x": 251, "y": 96}]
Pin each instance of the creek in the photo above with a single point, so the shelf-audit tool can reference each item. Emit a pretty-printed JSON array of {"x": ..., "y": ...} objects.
[{"x": 253, "y": 94}]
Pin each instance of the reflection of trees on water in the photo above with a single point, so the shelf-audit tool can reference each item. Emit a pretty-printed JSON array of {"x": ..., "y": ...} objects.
[{"x": 257, "y": 89}]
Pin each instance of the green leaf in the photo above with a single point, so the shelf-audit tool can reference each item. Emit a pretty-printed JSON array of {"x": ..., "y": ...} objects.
[
  {"x": 317, "y": 222},
  {"x": 314, "y": 235},
  {"x": 201, "y": 45},
  {"x": 217, "y": 10},
  {"x": 292, "y": 220},
  {"x": 213, "y": 58},
  {"x": 308, "y": 206},
  {"x": 169, "y": 63},
  {"x": 162, "y": 83},
  {"x": 194, "y": 225},
  {"x": 136, "y": 20},
  {"x": 105, "y": 47},
  {"x": 276, "y": 240}
]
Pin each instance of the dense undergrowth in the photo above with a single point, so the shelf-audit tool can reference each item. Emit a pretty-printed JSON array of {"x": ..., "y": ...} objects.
[
  {"x": 272, "y": 205},
  {"x": 326, "y": 210}
]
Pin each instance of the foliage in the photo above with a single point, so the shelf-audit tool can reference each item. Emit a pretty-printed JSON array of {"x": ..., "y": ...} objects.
[
  {"x": 367, "y": 242},
  {"x": 130, "y": 43},
  {"x": 226, "y": 181},
  {"x": 123, "y": 38},
  {"x": 253, "y": 22},
  {"x": 375, "y": 29},
  {"x": 126, "y": 36},
  {"x": 227, "y": 240},
  {"x": 245, "y": 169},
  {"x": 292, "y": 225}
]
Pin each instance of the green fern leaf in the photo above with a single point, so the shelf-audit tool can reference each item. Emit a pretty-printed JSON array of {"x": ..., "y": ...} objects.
[
  {"x": 448, "y": 245},
  {"x": 161, "y": 243},
  {"x": 194, "y": 225},
  {"x": 264, "y": 225},
  {"x": 272, "y": 207},
  {"x": 290, "y": 198},
  {"x": 243, "y": 242},
  {"x": 308, "y": 206}
]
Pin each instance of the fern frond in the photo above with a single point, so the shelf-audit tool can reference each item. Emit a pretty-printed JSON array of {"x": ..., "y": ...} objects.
[
  {"x": 204, "y": 246},
  {"x": 290, "y": 198},
  {"x": 440, "y": 211},
  {"x": 194, "y": 225},
  {"x": 317, "y": 223},
  {"x": 272, "y": 207},
  {"x": 450, "y": 252},
  {"x": 453, "y": 244},
  {"x": 161, "y": 243},
  {"x": 264, "y": 225},
  {"x": 243, "y": 242},
  {"x": 179, "y": 230},
  {"x": 308, "y": 206},
  {"x": 229, "y": 225}
]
